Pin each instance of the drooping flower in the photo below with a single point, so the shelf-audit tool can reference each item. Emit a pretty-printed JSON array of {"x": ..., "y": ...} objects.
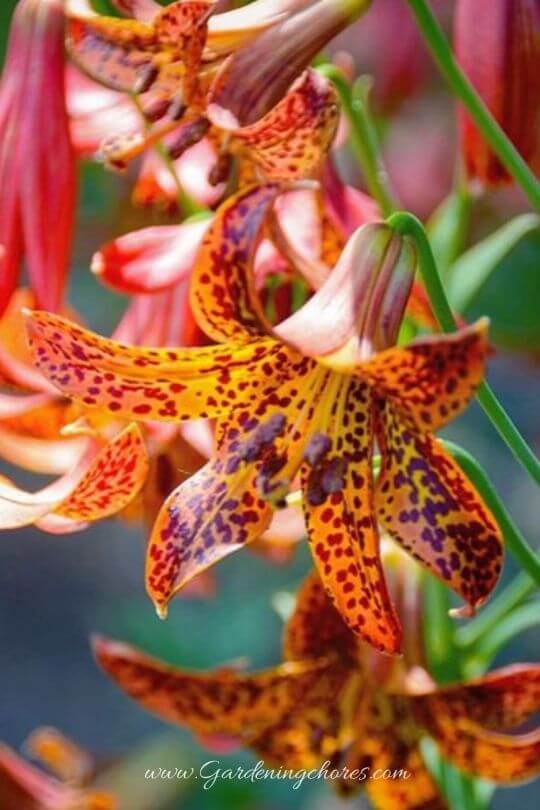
[
  {"x": 182, "y": 63},
  {"x": 68, "y": 787},
  {"x": 37, "y": 162},
  {"x": 307, "y": 398},
  {"x": 501, "y": 57},
  {"x": 364, "y": 714}
]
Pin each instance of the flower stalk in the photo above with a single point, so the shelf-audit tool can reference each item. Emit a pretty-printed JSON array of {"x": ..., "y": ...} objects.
[
  {"x": 406, "y": 223},
  {"x": 363, "y": 136}
]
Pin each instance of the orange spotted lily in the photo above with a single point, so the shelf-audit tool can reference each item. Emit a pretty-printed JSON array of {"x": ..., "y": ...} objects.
[
  {"x": 362, "y": 714},
  {"x": 181, "y": 62},
  {"x": 68, "y": 787},
  {"x": 37, "y": 161},
  {"x": 306, "y": 398}
]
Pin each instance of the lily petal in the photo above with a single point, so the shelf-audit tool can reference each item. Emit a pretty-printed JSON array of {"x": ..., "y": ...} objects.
[
  {"x": 223, "y": 294},
  {"x": 315, "y": 628},
  {"x": 145, "y": 384},
  {"x": 500, "y": 700},
  {"x": 426, "y": 503},
  {"x": 25, "y": 787},
  {"x": 433, "y": 379},
  {"x": 309, "y": 734},
  {"x": 342, "y": 529},
  {"x": 211, "y": 515},
  {"x": 291, "y": 140},
  {"x": 388, "y": 738},
  {"x": 220, "y": 702},
  {"x": 151, "y": 259},
  {"x": 100, "y": 485},
  {"x": 475, "y": 749}
]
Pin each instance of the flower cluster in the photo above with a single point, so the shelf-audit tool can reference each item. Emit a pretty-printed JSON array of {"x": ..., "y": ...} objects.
[{"x": 278, "y": 372}]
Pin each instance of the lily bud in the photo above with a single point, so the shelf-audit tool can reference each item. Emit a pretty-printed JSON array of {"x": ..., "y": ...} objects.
[
  {"x": 37, "y": 162},
  {"x": 358, "y": 310},
  {"x": 497, "y": 44}
]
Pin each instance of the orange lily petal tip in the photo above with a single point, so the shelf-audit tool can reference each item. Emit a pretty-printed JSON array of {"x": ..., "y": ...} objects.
[{"x": 162, "y": 610}]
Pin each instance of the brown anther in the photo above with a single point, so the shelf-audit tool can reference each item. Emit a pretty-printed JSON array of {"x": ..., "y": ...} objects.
[
  {"x": 189, "y": 136},
  {"x": 221, "y": 169},
  {"x": 146, "y": 79},
  {"x": 157, "y": 110}
]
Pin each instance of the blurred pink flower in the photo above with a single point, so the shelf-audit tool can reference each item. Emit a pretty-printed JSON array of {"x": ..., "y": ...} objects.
[{"x": 37, "y": 162}]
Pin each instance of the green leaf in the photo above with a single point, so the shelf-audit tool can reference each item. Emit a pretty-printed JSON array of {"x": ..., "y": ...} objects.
[
  {"x": 447, "y": 229},
  {"x": 472, "y": 270}
]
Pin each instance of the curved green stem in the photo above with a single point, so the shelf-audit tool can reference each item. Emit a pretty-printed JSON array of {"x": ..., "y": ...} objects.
[
  {"x": 363, "y": 135},
  {"x": 406, "y": 223},
  {"x": 461, "y": 86},
  {"x": 515, "y": 542}
]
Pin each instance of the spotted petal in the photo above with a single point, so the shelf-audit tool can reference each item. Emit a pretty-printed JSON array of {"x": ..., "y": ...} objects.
[
  {"x": 219, "y": 509},
  {"x": 223, "y": 294},
  {"x": 341, "y": 524},
  {"x": 220, "y": 702},
  {"x": 145, "y": 384},
  {"x": 311, "y": 732},
  {"x": 114, "y": 52},
  {"x": 211, "y": 515},
  {"x": 100, "y": 485},
  {"x": 315, "y": 628},
  {"x": 427, "y": 504},
  {"x": 499, "y": 700},
  {"x": 461, "y": 718},
  {"x": 291, "y": 140},
  {"x": 387, "y": 737},
  {"x": 433, "y": 379}
]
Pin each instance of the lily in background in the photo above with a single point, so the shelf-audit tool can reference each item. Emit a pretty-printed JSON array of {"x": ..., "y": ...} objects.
[
  {"x": 67, "y": 786},
  {"x": 501, "y": 57},
  {"x": 304, "y": 399},
  {"x": 182, "y": 64},
  {"x": 37, "y": 160},
  {"x": 360, "y": 713}
]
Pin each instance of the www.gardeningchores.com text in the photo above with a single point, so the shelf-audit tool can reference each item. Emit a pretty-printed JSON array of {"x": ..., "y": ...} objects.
[{"x": 213, "y": 771}]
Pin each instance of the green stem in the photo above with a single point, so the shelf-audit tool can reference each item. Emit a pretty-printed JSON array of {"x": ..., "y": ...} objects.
[
  {"x": 498, "y": 608},
  {"x": 515, "y": 542},
  {"x": 363, "y": 135},
  {"x": 406, "y": 223},
  {"x": 461, "y": 86}
]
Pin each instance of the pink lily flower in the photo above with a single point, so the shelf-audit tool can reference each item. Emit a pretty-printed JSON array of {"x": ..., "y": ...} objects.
[{"x": 37, "y": 161}]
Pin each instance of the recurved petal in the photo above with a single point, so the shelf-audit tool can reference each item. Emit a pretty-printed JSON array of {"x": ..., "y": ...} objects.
[
  {"x": 151, "y": 259},
  {"x": 426, "y": 503},
  {"x": 217, "y": 511},
  {"x": 112, "y": 51},
  {"x": 342, "y": 529},
  {"x": 475, "y": 749},
  {"x": 223, "y": 294},
  {"x": 25, "y": 787},
  {"x": 291, "y": 140},
  {"x": 433, "y": 379},
  {"x": 500, "y": 700},
  {"x": 224, "y": 701},
  {"x": 142, "y": 383},
  {"x": 102, "y": 483},
  {"x": 315, "y": 628}
]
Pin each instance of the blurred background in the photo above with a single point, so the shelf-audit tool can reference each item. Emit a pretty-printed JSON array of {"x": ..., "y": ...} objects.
[{"x": 55, "y": 591}]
